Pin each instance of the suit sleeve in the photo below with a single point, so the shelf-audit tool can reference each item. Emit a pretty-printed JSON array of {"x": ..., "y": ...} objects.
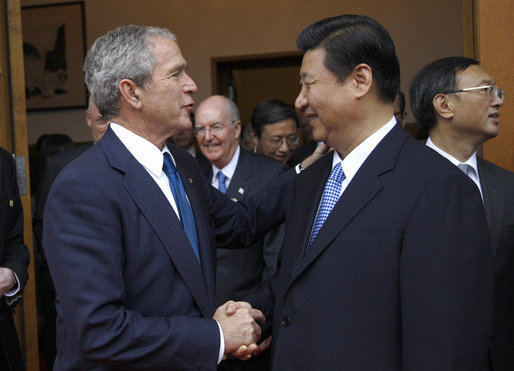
[
  {"x": 446, "y": 279},
  {"x": 16, "y": 254},
  {"x": 83, "y": 231}
]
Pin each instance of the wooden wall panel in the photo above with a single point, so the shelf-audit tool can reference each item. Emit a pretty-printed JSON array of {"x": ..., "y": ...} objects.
[
  {"x": 495, "y": 46},
  {"x": 13, "y": 129}
]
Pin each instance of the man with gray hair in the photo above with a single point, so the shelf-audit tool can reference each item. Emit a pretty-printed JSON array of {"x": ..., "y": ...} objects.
[{"x": 130, "y": 226}]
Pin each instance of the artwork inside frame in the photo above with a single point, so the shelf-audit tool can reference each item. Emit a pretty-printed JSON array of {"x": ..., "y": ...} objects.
[{"x": 53, "y": 52}]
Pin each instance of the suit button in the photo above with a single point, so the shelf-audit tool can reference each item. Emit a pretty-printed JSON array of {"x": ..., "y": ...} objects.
[{"x": 286, "y": 321}]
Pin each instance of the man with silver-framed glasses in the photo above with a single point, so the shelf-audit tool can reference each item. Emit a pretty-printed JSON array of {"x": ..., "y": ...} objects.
[
  {"x": 274, "y": 127},
  {"x": 456, "y": 103}
]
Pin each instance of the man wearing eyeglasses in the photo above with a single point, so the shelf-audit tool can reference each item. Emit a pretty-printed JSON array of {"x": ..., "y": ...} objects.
[
  {"x": 239, "y": 174},
  {"x": 457, "y": 104},
  {"x": 274, "y": 126}
]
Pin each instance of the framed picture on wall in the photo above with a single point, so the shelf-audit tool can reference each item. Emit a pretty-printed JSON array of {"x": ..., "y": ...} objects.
[{"x": 53, "y": 52}]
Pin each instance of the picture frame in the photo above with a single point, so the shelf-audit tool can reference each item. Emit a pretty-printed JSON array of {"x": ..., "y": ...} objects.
[{"x": 54, "y": 49}]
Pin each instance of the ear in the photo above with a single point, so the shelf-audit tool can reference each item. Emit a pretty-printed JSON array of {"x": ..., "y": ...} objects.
[
  {"x": 131, "y": 93},
  {"x": 443, "y": 106},
  {"x": 362, "y": 76},
  {"x": 253, "y": 134},
  {"x": 238, "y": 128},
  {"x": 89, "y": 118}
]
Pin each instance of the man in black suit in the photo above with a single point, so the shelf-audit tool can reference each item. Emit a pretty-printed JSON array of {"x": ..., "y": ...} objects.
[
  {"x": 386, "y": 263},
  {"x": 237, "y": 173},
  {"x": 14, "y": 261},
  {"x": 456, "y": 102}
]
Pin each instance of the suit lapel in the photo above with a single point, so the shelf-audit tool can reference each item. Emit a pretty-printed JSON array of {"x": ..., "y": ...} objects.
[
  {"x": 191, "y": 183},
  {"x": 241, "y": 183},
  {"x": 362, "y": 189},
  {"x": 160, "y": 215},
  {"x": 493, "y": 201}
]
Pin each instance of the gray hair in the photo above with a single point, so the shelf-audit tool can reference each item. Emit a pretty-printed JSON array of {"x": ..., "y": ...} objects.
[
  {"x": 233, "y": 111},
  {"x": 123, "y": 53}
]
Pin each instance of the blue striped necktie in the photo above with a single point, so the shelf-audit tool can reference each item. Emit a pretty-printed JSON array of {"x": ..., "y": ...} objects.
[
  {"x": 184, "y": 208},
  {"x": 330, "y": 197},
  {"x": 222, "y": 185}
]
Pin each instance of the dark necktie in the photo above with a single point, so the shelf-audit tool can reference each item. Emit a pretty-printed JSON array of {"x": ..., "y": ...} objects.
[
  {"x": 330, "y": 197},
  {"x": 184, "y": 209},
  {"x": 222, "y": 178}
]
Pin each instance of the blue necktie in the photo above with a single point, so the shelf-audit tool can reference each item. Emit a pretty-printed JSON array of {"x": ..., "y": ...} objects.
[
  {"x": 185, "y": 212},
  {"x": 329, "y": 199},
  {"x": 222, "y": 178},
  {"x": 464, "y": 168}
]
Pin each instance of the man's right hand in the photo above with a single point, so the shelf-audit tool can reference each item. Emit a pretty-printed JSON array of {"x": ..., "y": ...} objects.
[{"x": 240, "y": 329}]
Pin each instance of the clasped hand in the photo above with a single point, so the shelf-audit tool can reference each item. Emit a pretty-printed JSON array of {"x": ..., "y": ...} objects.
[{"x": 241, "y": 330}]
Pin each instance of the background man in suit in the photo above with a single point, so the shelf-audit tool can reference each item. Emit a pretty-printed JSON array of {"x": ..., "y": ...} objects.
[
  {"x": 130, "y": 226},
  {"x": 274, "y": 129},
  {"x": 399, "y": 108},
  {"x": 237, "y": 173},
  {"x": 14, "y": 260},
  {"x": 398, "y": 274},
  {"x": 456, "y": 102},
  {"x": 52, "y": 166}
]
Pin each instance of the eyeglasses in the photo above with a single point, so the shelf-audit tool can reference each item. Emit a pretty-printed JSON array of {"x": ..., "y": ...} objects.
[
  {"x": 275, "y": 143},
  {"x": 215, "y": 129},
  {"x": 494, "y": 91}
]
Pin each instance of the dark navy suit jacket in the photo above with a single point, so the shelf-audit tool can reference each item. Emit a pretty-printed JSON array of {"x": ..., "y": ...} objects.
[
  {"x": 498, "y": 189},
  {"x": 130, "y": 291},
  {"x": 400, "y": 275},
  {"x": 240, "y": 271}
]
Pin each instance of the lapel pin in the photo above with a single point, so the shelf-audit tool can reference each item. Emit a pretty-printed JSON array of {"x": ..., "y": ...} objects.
[
  {"x": 234, "y": 199},
  {"x": 241, "y": 190},
  {"x": 11, "y": 203},
  {"x": 190, "y": 180}
]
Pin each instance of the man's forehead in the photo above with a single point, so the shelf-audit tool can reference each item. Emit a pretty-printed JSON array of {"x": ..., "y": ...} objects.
[{"x": 474, "y": 74}]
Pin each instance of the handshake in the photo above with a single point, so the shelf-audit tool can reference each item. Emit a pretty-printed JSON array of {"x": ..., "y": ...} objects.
[{"x": 241, "y": 330}]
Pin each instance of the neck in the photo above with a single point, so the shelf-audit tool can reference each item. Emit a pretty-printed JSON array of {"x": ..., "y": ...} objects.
[
  {"x": 452, "y": 144},
  {"x": 139, "y": 127},
  {"x": 360, "y": 128}
]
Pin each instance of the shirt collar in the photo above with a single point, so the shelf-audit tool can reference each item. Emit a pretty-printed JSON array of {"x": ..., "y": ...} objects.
[
  {"x": 146, "y": 153},
  {"x": 229, "y": 169},
  {"x": 354, "y": 160},
  {"x": 472, "y": 161}
]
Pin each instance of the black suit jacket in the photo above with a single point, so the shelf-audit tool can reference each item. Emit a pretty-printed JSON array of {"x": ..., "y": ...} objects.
[
  {"x": 399, "y": 276},
  {"x": 13, "y": 255},
  {"x": 241, "y": 272},
  {"x": 498, "y": 190},
  {"x": 130, "y": 290},
  {"x": 13, "y": 252}
]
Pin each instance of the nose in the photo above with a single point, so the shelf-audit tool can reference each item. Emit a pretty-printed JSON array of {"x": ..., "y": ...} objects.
[
  {"x": 283, "y": 146},
  {"x": 497, "y": 102},
  {"x": 189, "y": 85},
  {"x": 301, "y": 101},
  {"x": 208, "y": 135}
]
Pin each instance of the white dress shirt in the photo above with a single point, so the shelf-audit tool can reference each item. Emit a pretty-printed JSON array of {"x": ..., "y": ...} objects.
[
  {"x": 354, "y": 160},
  {"x": 472, "y": 162},
  {"x": 228, "y": 170}
]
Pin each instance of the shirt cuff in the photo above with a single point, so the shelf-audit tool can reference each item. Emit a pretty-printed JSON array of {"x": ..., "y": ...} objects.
[
  {"x": 15, "y": 289},
  {"x": 222, "y": 344}
]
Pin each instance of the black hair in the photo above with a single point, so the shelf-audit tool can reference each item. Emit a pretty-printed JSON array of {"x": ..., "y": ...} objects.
[
  {"x": 349, "y": 40},
  {"x": 436, "y": 77},
  {"x": 271, "y": 111}
]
